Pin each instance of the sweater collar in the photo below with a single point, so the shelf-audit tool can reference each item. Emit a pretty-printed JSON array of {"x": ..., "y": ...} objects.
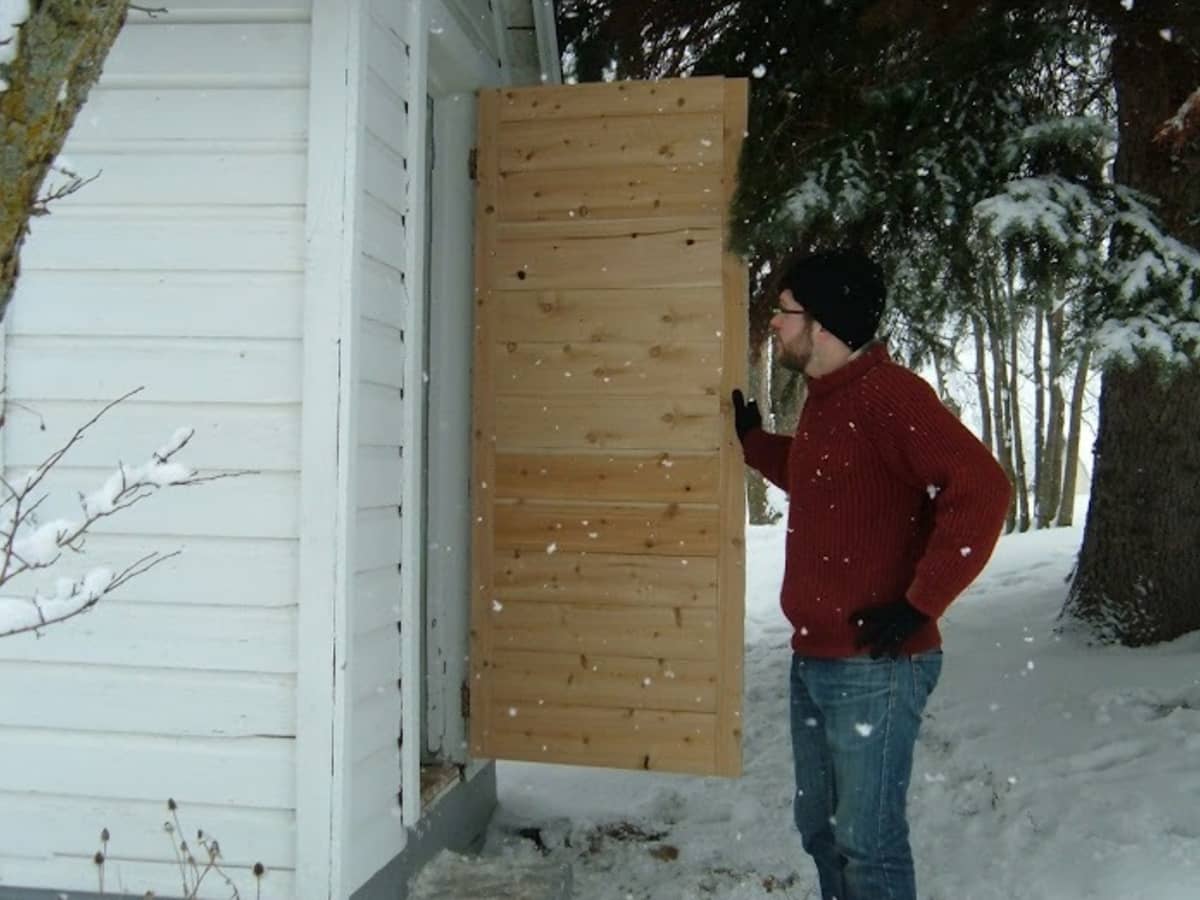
[{"x": 856, "y": 368}]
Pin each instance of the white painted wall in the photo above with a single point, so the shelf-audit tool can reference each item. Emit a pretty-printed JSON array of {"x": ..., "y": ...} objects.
[
  {"x": 181, "y": 269},
  {"x": 373, "y": 827}
]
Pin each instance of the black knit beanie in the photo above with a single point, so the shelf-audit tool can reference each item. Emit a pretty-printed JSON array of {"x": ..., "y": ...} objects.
[{"x": 841, "y": 289}]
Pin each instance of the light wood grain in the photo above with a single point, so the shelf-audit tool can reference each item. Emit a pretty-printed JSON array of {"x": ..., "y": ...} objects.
[
  {"x": 617, "y": 314},
  {"x": 608, "y": 475},
  {"x": 614, "y": 367},
  {"x": 608, "y": 423},
  {"x": 622, "y": 738},
  {"x": 619, "y": 98},
  {"x": 672, "y": 529},
  {"x": 612, "y": 579},
  {"x": 622, "y": 193},
  {"x": 520, "y": 677}
]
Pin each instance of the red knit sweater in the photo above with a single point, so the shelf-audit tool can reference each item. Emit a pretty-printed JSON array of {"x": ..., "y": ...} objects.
[{"x": 890, "y": 496}]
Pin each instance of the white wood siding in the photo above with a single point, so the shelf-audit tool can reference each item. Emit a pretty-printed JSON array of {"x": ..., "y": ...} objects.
[
  {"x": 373, "y": 828},
  {"x": 180, "y": 269}
]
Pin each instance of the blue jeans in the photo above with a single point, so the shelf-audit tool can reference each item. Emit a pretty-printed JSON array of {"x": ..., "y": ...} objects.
[{"x": 854, "y": 725}]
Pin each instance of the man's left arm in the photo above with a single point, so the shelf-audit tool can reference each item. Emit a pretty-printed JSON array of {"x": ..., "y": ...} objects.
[{"x": 969, "y": 491}]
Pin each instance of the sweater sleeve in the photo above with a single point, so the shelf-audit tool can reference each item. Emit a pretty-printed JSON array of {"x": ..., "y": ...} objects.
[
  {"x": 769, "y": 454},
  {"x": 925, "y": 444}
]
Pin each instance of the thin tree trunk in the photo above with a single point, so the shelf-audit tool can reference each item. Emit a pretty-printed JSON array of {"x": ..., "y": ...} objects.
[
  {"x": 1055, "y": 425},
  {"x": 1000, "y": 407},
  {"x": 981, "y": 381},
  {"x": 61, "y": 49},
  {"x": 1020, "y": 483},
  {"x": 1040, "y": 432},
  {"x": 1066, "y": 506}
]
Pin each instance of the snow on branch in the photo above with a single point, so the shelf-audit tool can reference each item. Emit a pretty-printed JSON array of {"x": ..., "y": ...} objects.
[
  {"x": 27, "y": 546},
  {"x": 1182, "y": 126}
]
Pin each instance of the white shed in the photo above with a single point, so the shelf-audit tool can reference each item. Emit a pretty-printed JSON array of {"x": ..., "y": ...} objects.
[{"x": 279, "y": 250}]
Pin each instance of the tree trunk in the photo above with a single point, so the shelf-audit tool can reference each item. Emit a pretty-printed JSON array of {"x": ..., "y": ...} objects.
[
  {"x": 1055, "y": 426},
  {"x": 1000, "y": 407},
  {"x": 981, "y": 380},
  {"x": 1020, "y": 482},
  {"x": 1138, "y": 574},
  {"x": 60, "y": 52},
  {"x": 1066, "y": 506},
  {"x": 1040, "y": 431}
]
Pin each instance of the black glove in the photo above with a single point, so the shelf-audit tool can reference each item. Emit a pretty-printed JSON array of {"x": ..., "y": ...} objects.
[
  {"x": 884, "y": 629},
  {"x": 746, "y": 416}
]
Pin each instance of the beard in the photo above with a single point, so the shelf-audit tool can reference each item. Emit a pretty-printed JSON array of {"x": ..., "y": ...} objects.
[{"x": 794, "y": 358}]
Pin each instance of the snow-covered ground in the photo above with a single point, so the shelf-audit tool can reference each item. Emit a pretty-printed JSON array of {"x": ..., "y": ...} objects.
[{"x": 1046, "y": 769}]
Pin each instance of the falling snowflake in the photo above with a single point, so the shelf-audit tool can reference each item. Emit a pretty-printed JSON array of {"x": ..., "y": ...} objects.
[
  {"x": 864, "y": 729},
  {"x": 551, "y": 547},
  {"x": 759, "y": 71}
]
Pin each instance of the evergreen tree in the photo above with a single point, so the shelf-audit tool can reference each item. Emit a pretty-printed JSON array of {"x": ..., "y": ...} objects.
[{"x": 968, "y": 145}]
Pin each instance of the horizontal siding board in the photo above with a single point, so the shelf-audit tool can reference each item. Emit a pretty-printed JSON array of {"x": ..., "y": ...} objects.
[
  {"x": 256, "y": 505},
  {"x": 226, "y": 436},
  {"x": 78, "y": 873},
  {"x": 246, "y": 115},
  {"x": 605, "y": 578},
  {"x": 387, "y": 56},
  {"x": 671, "y": 529},
  {"x": 211, "y": 572},
  {"x": 572, "y": 679},
  {"x": 385, "y": 116},
  {"x": 64, "y": 824},
  {"x": 665, "y": 314},
  {"x": 376, "y": 598},
  {"x": 245, "y": 305},
  {"x": 681, "y": 253},
  {"x": 136, "y": 178},
  {"x": 383, "y": 234},
  {"x": 611, "y": 193},
  {"x": 664, "y": 424},
  {"x": 384, "y": 176},
  {"x": 654, "y": 632},
  {"x": 627, "y": 98},
  {"x": 156, "y": 701},
  {"x": 235, "y": 53},
  {"x": 375, "y": 663},
  {"x": 594, "y": 367},
  {"x": 380, "y": 416},
  {"x": 378, "y": 534},
  {"x": 381, "y": 354},
  {"x": 669, "y": 741},
  {"x": 623, "y": 142},
  {"x": 608, "y": 475},
  {"x": 122, "y": 238},
  {"x": 396, "y": 17},
  {"x": 375, "y": 784},
  {"x": 226, "y": 11},
  {"x": 252, "y": 772},
  {"x": 167, "y": 637},
  {"x": 378, "y": 477},
  {"x": 384, "y": 293},
  {"x": 374, "y": 725},
  {"x": 182, "y": 370}
]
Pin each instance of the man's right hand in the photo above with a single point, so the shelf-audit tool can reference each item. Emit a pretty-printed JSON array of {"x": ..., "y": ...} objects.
[{"x": 746, "y": 416}]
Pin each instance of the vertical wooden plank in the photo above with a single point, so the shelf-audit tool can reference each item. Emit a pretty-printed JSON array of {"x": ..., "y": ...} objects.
[
  {"x": 731, "y": 571},
  {"x": 321, "y": 643},
  {"x": 483, "y": 465},
  {"x": 412, "y": 631}
]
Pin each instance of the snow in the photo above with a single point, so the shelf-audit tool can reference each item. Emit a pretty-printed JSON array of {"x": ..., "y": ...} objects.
[{"x": 1045, "y": 768}]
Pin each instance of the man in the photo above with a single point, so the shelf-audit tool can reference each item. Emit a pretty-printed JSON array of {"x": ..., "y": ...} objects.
[{"x": 894, "y": 508}]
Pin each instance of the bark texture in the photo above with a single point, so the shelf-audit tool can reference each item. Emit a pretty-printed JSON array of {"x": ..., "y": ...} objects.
[{"x": 61, "y": 50}]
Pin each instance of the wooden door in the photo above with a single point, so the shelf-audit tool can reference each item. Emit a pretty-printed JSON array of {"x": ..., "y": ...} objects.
[{"x": 608, "y": 503}]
